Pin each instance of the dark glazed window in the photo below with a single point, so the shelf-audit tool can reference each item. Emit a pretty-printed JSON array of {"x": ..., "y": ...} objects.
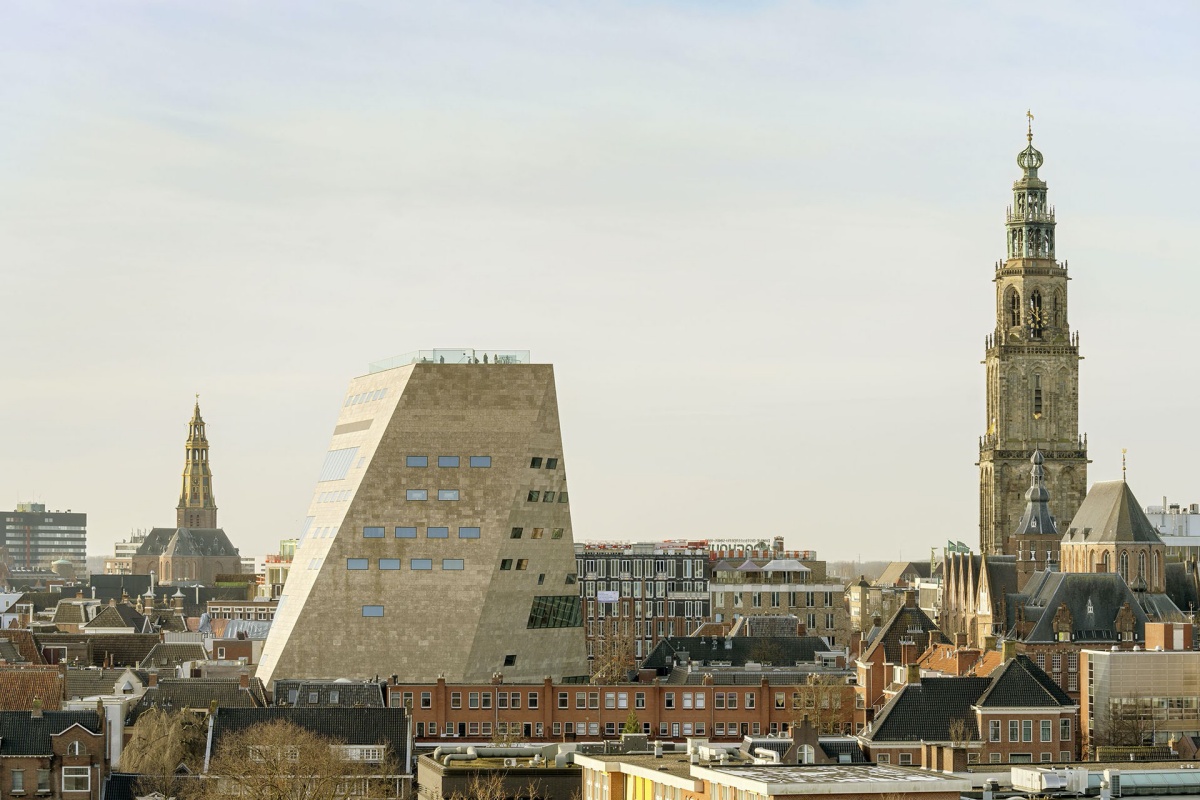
[
  {"x": 510, "y": 660},
  {"x": 535, "y": 462},
  {"x": 555, "y": 612},
  {"x": 548, "y": 497},
  {"x": 562, "y": 497},
  {"x": 551, "y": 463},
  {"x": 533, "y": 496},
  {"x": 506, "y": 563},
  {"x": 516, "y": 533}
]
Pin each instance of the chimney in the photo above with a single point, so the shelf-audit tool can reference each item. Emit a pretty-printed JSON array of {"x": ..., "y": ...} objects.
[
  {"x": 178, "y": 601},
  {"x": 244, "y": 678},
  {"x": 910, "y": 598},
  {"x": 989, "y": 643},
  {"x": 960, "y": 640},
  {"x": 1008, "y": 649},
  {"x": 36, "y": 712},
  {"x": 153, "y": 678},
  {"x": 112, "y": 602},
  {"x": 932, "y": 636},
  {"x": 914, "y": 675}
]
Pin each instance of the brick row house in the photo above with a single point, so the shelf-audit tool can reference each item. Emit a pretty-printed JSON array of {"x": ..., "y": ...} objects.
[{"x": 53, "y": 754}]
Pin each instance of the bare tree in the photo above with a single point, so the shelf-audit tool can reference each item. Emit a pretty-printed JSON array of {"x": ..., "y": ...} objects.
[
  {"x": 282, "y": 761},
  {"x": 960, "y": 732},
  {"x": 613, "y": 653}
]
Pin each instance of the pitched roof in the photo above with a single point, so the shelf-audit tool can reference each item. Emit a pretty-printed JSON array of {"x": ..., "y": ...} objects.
[
  {"x": 90, "y": 682},
  {"x": 73, "y": 611},
  {"x": 172, "y": 654},
  {"x": 328, "y": 693},
  {"x": 121, "y": 615},
  {"x": 187, "y": 542},
  {"x": 925, "y": 710},
  {"x": 22, "y": 734},
  {"x": 898, "y": 573},
  {"x": 125, "y": 649},
  {"x": 1181, "y": 586},
  {"x": 908, "y": 623},
  {"x": 352, "y": 726},
  {"x": 1093, "y": 600},
  {"x": 783, "y": 650},
  {"x": 987, "y": 664},
  {"x": 1110, "y": 514},
  {"x": 20, "y": 686},
  {"x": 200, "y": 693},
  {"x": 1023, "y": 684},
  {"x": 22, "y": 641},
  {"x": 1036, "y": 520}
]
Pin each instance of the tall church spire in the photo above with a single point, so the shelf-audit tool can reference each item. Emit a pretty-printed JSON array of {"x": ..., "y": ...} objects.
[
  {"x": 1032, "y": 360},
  {"x": 197, "y": 508}
]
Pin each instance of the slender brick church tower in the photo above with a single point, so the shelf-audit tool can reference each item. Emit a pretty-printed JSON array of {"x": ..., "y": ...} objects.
[
  {"x": 1032, "y": 364},
  {"x": 197, "y": 508}
]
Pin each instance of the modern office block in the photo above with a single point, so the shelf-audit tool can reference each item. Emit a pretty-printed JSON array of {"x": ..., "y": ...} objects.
[
  {"x": 438, "y": 540},
  {"x": 36, "y": 538}
]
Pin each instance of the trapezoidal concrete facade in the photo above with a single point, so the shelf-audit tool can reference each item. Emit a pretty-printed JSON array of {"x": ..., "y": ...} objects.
[{"x": 438, "y": 541}]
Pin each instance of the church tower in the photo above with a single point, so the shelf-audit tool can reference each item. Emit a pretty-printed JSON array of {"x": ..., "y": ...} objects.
[
  {"x": 1032, "y": 364},
  {"x": 196, "y": 508}
]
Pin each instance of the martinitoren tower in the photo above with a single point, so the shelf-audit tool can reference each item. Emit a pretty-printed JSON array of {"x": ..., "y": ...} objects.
[
  {"x": 1032, "y": 372},
  {"x": 196, "y": 508}
]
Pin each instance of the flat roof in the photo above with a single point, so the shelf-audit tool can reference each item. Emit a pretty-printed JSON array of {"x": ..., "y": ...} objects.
[{"x": 787, "y": 779}]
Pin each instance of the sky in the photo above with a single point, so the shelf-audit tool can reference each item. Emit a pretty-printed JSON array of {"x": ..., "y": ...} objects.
[{"x": 756, "y": 240}]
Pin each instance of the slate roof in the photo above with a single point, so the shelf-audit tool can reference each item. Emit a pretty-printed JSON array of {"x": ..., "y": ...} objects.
[
  {"x": 328, "y": 693},
  {"x": 788, "y": 650},
  {"x": 1181, "y": 586},
  {"x": 19, "y": 686},
  {"x": 9, "y": 652},
  {"x": 72, "y": 611},
  {"x": 122, "y": 615},
  {"x": 836, "y": 748},
  {"x": 22, "y": 641},
  {"x": 1022, "y": 683},
  {"x": 172, "y": 654},
  {"x": 1036, "y": 520},
  {"x": 1109, "y": 514},
  {"x": 91, "y": 681},
  {"x": 1093, "y": 600},
  {"x": 907, "y": 623},
  {"x": 352, "y": 726},
  {"x": 187, "y": 542},
  {"x": 23, "y": 735},
  {"x": 200, "y": 693},
  {"x": 924, "y": 711},
  {"x": 126, "y": 649}
]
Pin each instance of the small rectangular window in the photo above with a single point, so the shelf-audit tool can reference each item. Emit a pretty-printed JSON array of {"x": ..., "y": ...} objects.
[
  {"x": 562, "y": 497},
  {"x": 371, "y": 532},
  {"x": 420, "y": 563},
  {"x": 468, "y": 533},
  {"x": 548, "y": 497},
  {"x": 372, "y": 611},
  {"x": 522, "y": 563},
  {"x": 416, "y": 461},
  {"x": 551, "y": 463},
  {"x": 537, "y": 533},
  {"x": 516, "y": 533},
  {"x": 557, "y": 533},
  {"x": 416, "y": 494},
  {"x": 437, "y": 532},
  {"x": 426, "y": 700},
  {"x": 407, "y": 532},
  {"x": 389, "y": 563},
  {"x": 452, "y": 563},
  {"x": 447, "y": 461},
  {"x": 447, "y": 494},
  {"x": 533, "y": 496},
  {"x": 358, "y": 563},
  {"x": 506, "y": 563},
  {"x": 510, "y": 660},
  {"x": 535, "y": 462},
  {"x": 481, "y": 461}
]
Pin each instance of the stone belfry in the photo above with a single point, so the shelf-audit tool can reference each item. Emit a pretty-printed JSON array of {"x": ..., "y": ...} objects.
[
  {"x": 197, "y": 508},
  {"x": 1032, "y": 364}
]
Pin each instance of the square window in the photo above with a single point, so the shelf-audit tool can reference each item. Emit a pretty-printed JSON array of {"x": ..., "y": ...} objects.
[
  {"x": 76, "y": 779},
  {"x": 421, "y": 563},
  {"x": 481, "y": 461},
  {"x": 537, "y": 533},
  {"x": 447, "y": 494},
  {"x": 358, "y": 563},
  {"x": 452, "y": 563},
  {"x": 416, "y": 461},
  {"x": 548, "y": 497},
  {"x": 408, "y": 532},
  {"x": 533, "y": 496},
  {"x": 389, "y": 563},
  {"x": 372, "y": 611},
  {"x": 905, "y": 759},
  {"x": 426, "y": 700},
  {"x": 557, "y": 533},
  {"x": 372, "y": 532},
  {"x": 522, "y": 563},
  {"x": 562, "y": 497},
  {"x": 506, "y": 563},
  {"x": 468, "y": 533},
  {"x": 510, "y": 660},
  {"x": 437, "y": 533},
  {"x": 516, "y": 533},
  {"x": 447, "y": 461},
  {"x": 416, "y": 494},
  {"x": 535, "y": 462},
  {"x": 551, "y": 463}
]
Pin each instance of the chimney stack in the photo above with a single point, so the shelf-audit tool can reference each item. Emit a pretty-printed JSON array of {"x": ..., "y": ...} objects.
[
  {"x": 910, "y": 598},
  {"x": 914, "y": 675},
  {"x": 1008, "y": 649},
  {"x": 36, "y": 712},
  {"x": 244, "y": 678}
]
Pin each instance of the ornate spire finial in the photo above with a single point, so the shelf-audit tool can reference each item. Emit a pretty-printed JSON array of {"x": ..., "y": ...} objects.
[
  {"x": 1123, "y": 465},
  {"x": 1029, "y": 126}
]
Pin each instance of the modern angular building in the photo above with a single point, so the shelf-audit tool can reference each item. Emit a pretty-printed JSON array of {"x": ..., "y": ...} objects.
[
  {"x": 36, "y": 538},
  {"x": 438, "y": 540}
]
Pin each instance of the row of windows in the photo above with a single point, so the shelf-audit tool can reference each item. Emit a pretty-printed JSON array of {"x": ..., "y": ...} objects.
[
  {"x": 410, "y": 532},
  {"x": 334, "y": 497},
  {"x": 364, "y": 397},
  {"x": 561, "y": 611},
  {"x": 1021, "y": 730},
  {"x": 653, "y": 588},
  {"x": 536, "y": 533},
  {"x": 74, "y": 779},
  {"x": 637, "y": 567},
  {"x": 391, "y": 564},
  {"x": 506, "y": 700},
  {"x": 536, "y": 463},
  {"x": 479, "y": 462},
  {"x": 546, "y": 497},
  {"x": 665, "y": 608},
  {"x": 423, "y": 494}
]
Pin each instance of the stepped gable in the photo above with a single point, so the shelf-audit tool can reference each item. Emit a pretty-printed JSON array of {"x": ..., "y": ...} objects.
[
  {"x": 924, "y": 711},
  {"x": 1110, "y": 514},
  {"x": 1023, "y": 684}
]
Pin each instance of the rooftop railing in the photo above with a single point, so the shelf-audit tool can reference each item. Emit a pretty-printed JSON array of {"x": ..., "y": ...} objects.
[{"x": 452, "y": 355}]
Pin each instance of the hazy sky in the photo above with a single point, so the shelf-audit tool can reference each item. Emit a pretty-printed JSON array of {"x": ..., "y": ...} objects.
[{"x": 755, "y": 239}]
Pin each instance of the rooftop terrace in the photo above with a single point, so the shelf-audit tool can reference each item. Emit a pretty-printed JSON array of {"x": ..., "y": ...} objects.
[{"x": 452, "y": 355}]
